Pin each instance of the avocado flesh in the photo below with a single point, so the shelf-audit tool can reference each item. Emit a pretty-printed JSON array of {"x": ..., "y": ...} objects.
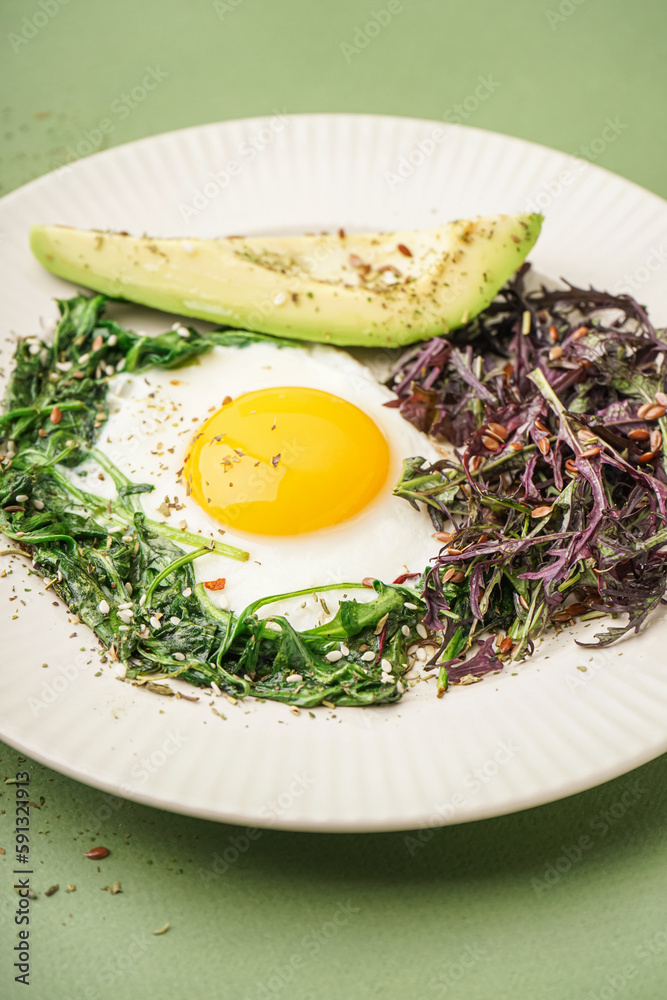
[{"x": 342, "y": 289}]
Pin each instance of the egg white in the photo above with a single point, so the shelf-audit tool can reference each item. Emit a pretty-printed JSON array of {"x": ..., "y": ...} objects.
[{"x": 154, "y": 417}]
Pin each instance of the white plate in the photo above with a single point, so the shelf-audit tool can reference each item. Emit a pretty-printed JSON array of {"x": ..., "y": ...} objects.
[{"x": 521, "y": 738}]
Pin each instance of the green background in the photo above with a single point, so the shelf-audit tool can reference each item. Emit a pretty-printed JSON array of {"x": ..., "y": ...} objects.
[{"x": 499, "y": 909}]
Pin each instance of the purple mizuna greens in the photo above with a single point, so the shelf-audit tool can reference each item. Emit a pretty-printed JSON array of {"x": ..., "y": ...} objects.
[{"x": 553, "y": 505}]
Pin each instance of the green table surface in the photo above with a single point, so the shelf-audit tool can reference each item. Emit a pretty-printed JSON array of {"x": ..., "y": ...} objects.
[{"x": 513, "y": 907}]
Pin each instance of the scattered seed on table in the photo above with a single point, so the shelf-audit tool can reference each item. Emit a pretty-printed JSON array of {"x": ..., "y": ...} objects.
[{"x": 97, "y": 853}]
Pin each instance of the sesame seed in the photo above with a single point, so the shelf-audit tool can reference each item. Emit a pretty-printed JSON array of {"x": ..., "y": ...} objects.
[
  {"x": 386, "y": 666},
  {"x": 216, "y": 690},
  {"x": 179, "y": 656},
  {"x": 175, "y": 620},
  {"x": 21, "y": 497},
  {"x": 294, "y": 710},
  {"x": 154, "y": 622},
  {"x": 38, "y": 504},
  {"x": 334, "y": 655},
  {"x": 120, "y": 365},
  {"x": 183, "y": 331},
  {"x": 187, "y": 592},
  {"x": 34, "y": 348},
  {"x": 126, "y": 616},
  {"x": 279, "y": 299},
  {"x": 83, "y": 358},
  {"x": 367, "y": 657},
  {"x": 272, "y": 626},
  {"x": 410, "y": 607},
  {"x": 109, "y": 370},
  {"x": 401, "y": 687},
  {"x": 103, "y": 607},
  {"x": 63, "y": 366},
  {"x": 344, "y": 650},
  {"x": 405, "y": 630},
  {"x": 142, "y": 600},
  {"x": 292, "y": 678},
  {"x": 113, "y": 340},
  {"x": 422, "y": 631},
  {"x": 123, "y": 628}
]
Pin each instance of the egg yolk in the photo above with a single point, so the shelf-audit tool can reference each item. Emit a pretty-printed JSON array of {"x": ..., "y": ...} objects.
[{"x": 285, "y": 461}]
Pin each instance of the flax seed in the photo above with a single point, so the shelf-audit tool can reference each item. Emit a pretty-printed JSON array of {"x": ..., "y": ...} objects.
[
  {"x": 590, "y": 453},
  {"x": 639, "y": 434},
  {"x": 544, "y": 446},
  {"x": 490, "y": 443},
  {"x": 498, "y": 431}
]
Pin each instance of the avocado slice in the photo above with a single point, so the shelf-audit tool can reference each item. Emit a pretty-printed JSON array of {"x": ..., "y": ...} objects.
[{"x": 373, "y": 289}]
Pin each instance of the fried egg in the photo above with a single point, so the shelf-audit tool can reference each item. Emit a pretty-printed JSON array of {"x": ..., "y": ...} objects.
[{"x": 287, "y": 452}]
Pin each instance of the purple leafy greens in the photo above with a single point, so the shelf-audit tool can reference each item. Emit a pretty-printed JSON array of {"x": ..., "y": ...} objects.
[{"x": 553, "y": 503}]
